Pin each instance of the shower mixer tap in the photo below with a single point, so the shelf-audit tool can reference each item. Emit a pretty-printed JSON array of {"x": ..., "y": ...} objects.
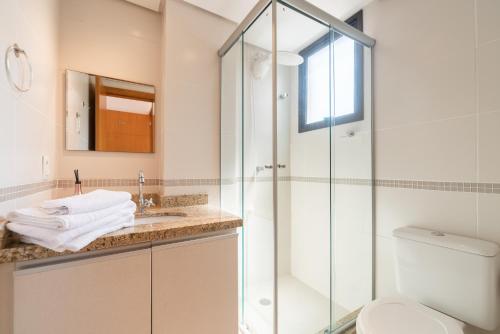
[{"x": 261, "y": 168}]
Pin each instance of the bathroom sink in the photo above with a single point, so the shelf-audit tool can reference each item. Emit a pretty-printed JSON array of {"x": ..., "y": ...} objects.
[
  {"x": 156, "y": 219},
  {"x": 154, "y": 216}
]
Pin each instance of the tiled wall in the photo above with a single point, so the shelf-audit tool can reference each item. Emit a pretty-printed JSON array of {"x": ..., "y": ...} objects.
[
  {"x": 437, "y": 119},
  {"x": 65, "y": 187},
  {"x": 27, "y": 120}
]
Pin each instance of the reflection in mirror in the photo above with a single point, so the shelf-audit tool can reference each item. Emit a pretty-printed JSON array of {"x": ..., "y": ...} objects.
[{"x": 109, "y": 115}]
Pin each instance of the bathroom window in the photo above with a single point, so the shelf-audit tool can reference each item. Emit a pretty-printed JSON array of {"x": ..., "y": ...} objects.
[{"x": 314, "y": 81}]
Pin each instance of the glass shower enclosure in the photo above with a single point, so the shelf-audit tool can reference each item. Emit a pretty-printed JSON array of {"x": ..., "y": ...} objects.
[{"x": 296, "y": 164}]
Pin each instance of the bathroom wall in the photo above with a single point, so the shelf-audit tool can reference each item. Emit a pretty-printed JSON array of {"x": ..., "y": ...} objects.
[
  {"x": 117, "y": 39},
  {"x": 176, "y": 51},
  {"x": 28, "y": 120},
  {"x": 190, "y": 126},
  {"x": 437, "y": 114}
]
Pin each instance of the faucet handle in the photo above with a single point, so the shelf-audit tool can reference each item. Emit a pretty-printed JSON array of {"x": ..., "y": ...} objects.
[{"x": 149, "y": 203}]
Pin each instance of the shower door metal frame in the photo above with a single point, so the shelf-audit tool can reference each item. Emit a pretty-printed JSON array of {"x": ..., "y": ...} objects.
[
  {"x": 336, "y": 25},
  {"x": 304, "y": 7},
  {"x": 274, "y": 5}
]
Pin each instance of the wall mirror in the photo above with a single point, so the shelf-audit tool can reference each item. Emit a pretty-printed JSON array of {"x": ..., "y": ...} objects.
[{"x": 108, "y": 115}]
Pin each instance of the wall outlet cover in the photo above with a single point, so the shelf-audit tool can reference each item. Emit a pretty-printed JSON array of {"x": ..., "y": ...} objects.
[{"x": 45, "y": 167}]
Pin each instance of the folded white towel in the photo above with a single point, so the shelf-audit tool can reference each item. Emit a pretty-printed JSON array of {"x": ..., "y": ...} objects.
[
  {"x": 57, "y": 238},
  {"x": 80, "y": 241},
  {"x": 39, "y": 218},
  {"x": 89, "y": 202}
]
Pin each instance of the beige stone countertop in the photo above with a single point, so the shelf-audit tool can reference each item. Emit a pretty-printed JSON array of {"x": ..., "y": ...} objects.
[{"x": 191, "y": 221}]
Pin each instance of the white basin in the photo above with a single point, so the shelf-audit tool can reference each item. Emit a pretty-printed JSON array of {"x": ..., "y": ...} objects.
[{"x": 154, "y": 220}]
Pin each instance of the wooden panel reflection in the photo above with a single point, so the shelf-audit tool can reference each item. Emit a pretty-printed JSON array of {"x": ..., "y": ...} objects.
[{"x": 124, "y": 119}]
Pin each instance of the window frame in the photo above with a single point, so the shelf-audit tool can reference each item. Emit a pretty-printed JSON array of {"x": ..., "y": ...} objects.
[{"x": 355, "y": 21}]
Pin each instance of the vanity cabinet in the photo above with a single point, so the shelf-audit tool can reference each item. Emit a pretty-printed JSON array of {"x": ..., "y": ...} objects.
[
  {"x": 183, "y": 287},
  {"x": 195, "y": 286},
  {"x": 107, "y": 294}
]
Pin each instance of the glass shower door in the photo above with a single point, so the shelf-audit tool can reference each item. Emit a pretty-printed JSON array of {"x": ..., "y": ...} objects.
[
  {"x": 231, "y": 144},
  {"x": 258, "y": 210},
  {"x": 351, "y": 142},
  {"x": 296, "y": 165},
  {"x": 303, "y": 153}
]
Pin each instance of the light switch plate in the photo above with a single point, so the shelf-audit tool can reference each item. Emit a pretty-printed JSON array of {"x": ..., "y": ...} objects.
[{"x": 45, "y": 167}]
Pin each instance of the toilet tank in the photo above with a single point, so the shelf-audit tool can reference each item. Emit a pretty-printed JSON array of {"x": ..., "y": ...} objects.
[{"x": 455, "y": 275}]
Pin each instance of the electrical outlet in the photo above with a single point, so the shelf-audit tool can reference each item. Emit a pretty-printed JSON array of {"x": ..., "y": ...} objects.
[{"x": 45, "y": 167}]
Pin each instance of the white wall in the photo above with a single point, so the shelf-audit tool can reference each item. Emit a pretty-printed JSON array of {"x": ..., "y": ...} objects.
[
  {"x": 176, "y": 52},
  {"x": 437, "y": 113},
  {"x": 27, "y": 120},
  {"x": 191, "y": 89},
  {"x": 116, "y": 39},
  {"x": 231, "y": 131}
]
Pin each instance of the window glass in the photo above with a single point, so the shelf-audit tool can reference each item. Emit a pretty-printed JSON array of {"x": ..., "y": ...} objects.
[
  {"x": 343, "y": 61},
  {"x": 318, "y": 86},
  {"x": 346, "y": 96}
]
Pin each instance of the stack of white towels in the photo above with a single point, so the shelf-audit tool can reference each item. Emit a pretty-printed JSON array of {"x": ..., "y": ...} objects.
[{"x": 72, "y": 223}]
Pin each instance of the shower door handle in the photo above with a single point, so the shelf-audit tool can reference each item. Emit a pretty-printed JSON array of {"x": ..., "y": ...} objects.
[{"x": 271, "y": 166}]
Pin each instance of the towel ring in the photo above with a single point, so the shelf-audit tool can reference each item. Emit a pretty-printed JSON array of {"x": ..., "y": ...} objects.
[{"x": 18, "y": 52}]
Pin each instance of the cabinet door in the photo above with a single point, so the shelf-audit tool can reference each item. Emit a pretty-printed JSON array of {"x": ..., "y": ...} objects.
[
  {"x": 108, "y": 295},
  {"x": 195, "y": 286}
]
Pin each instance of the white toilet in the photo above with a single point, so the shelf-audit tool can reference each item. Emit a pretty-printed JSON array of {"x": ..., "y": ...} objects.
[{"x": 441, "y": 278}]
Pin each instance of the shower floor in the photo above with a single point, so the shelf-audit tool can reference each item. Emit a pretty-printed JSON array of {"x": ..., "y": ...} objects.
[{"x": 302, "y": 310}]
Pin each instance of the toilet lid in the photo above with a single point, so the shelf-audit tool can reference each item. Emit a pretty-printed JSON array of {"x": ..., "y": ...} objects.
[{"x": 400, "y": 315}]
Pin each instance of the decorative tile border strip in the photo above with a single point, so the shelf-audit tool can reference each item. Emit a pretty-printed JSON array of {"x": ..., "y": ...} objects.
[
  {"x": 484, "y": 188},
  {"x": 92, "y": 183},
  {"x": 351, "y": 181},
  {"x": 13, "y": 192},
  {"x": 189, "y": 182},
  {"x": 468, "y": 187},
  {"x": 306, "y": 179},
  {"x": 98, "y": 183},
  {"x": 228, "y": 181}
]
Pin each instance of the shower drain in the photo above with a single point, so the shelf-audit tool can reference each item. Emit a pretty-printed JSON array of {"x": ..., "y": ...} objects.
[{"x": 265, "y": 302}]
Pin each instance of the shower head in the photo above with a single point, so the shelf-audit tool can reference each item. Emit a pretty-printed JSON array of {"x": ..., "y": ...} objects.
[
  {"x": 262, "y": 62},
  {"x": 261, "y": 65}
]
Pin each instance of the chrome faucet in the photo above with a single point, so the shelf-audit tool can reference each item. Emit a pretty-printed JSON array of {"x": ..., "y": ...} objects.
[{"x": 143, "y": 203}]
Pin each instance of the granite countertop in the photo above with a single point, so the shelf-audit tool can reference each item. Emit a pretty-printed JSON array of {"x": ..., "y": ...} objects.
[{"x": 191, "y": 221}]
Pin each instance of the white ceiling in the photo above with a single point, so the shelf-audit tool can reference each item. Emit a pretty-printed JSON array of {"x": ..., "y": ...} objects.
[
  {"x": 295, "y": 31},
  {"x": 149, "y": 4},
  {"x": 236, "y": 10}
]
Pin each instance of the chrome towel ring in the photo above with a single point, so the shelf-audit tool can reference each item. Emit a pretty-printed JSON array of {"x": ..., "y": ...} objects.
[{"x": 18, "y": 52}]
